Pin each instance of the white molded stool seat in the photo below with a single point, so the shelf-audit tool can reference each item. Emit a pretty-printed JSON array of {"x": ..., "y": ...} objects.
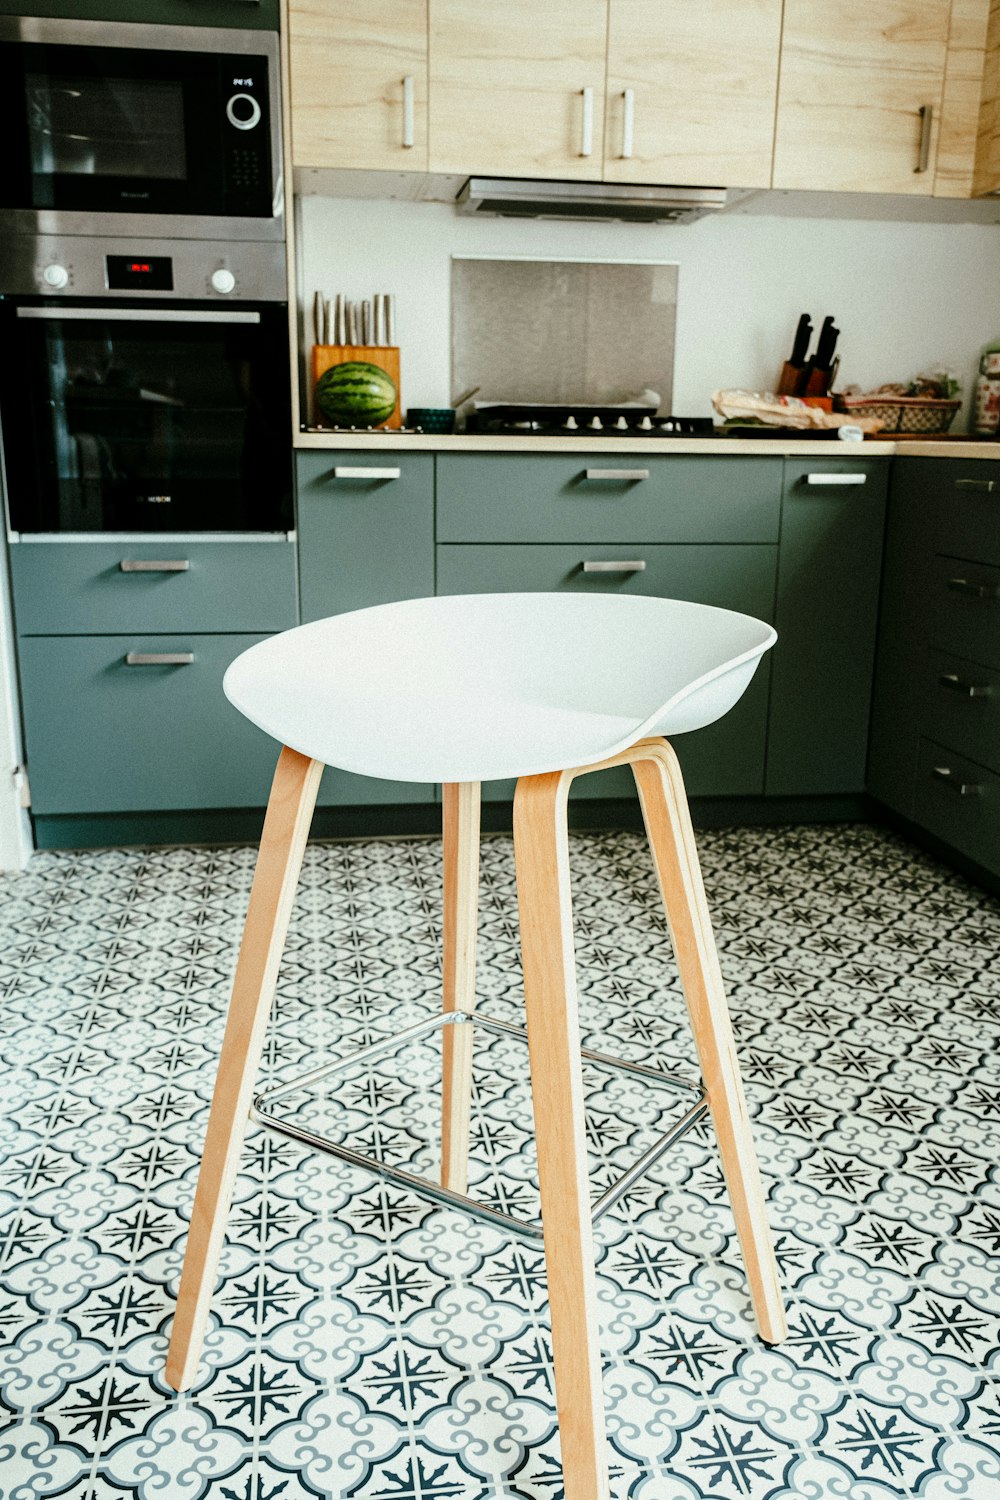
[{"x": 473, "y": 687}]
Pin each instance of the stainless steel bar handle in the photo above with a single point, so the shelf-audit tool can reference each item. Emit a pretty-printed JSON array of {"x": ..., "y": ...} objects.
[
  {"x": 346, "y": 472},
  {"x": 137, "y": 314},
  {"x": 974, "y": 590},
  {"x": 587, "y": 128},
  {"x": 628, "y": 123},
  {"x": 967, "y": 689},
  {"x": 159, "y": 658},
  {"x": 408, "y": 112},
  {"x": 926, "y": 113},
  {"x": 960, "y": 788},
  {"x": 635, "y": 565},
  {"x": 629, "y": 476},
  {"x": 836, "y": 479},
  {"x": 983, "y": 486},
  {"x": 144, "y": 565}
]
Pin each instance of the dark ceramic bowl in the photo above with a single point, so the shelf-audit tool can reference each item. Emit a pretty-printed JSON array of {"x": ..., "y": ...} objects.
[{"x": 431, "y": 418}]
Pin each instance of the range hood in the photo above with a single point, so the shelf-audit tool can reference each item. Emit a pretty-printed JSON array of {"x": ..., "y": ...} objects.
[{"x": 524, "y": 199}]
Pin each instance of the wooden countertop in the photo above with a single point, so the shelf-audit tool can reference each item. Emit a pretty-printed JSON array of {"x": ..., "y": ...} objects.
[{"x": 387, "y": 442}]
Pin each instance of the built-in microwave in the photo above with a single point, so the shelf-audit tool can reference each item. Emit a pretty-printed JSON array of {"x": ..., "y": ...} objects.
[{"x": 112, "y": 129}]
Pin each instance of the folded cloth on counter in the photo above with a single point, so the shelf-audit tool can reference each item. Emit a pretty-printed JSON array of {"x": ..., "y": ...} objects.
[{"x": 784, "y": 411}]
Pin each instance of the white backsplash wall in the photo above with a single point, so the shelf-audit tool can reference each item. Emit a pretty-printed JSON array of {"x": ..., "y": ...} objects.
[{"x": 904, "y": 295}]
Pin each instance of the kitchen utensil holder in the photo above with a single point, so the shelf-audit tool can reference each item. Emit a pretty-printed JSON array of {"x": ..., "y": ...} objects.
[{"x": 386, "y": 356}]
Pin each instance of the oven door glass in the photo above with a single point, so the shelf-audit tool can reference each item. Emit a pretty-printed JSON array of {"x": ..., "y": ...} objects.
[{"x": 147, "y": 419}]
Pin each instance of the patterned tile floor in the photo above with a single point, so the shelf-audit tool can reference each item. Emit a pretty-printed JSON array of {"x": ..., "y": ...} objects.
[{"x": 367, "y": 1345}]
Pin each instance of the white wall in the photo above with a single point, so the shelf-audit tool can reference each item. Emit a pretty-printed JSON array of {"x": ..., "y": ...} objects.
[{"x": 904, "y": 295}]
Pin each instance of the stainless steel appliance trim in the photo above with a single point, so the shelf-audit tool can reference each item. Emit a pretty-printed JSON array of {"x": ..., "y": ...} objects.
[
  {"x": 836, "y": 479},
  {"x": 159, "y": 658},
  {"x": 136, "y": 314},
  {"x": 946, "y": 776},
  {"x": 636, "y": 565},
  {"x": 631, "y": 476},
  {"x": 145, "y": 538},
  {"x": 56, "y": 223},
  {"x": 150, "y": 565},
  {"x": 340, "y": 472},
  {"x": 138, "y": 36}
]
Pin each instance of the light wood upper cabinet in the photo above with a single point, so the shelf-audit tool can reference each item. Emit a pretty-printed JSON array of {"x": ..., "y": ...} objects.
[
  {"x": 987, "y": 174},
  {"x": 517, "y": 87},
  {"x": 855, "y": 76},
  {"x": 359, "y": 83},
  {"x": 701, "y": 81}
]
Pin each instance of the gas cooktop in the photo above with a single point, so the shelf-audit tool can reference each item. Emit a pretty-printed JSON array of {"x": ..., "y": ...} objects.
[{"x": 530, "y": 420}]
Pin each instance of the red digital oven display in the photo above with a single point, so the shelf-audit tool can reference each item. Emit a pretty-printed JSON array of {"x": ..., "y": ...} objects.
[{"x": 154, "y": 273}]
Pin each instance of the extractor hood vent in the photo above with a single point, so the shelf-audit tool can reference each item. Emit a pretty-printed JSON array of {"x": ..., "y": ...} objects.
[{"x": 522, "y": 199}]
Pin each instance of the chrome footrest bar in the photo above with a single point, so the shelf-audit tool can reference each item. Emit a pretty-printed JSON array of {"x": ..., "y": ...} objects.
[{"x": 530, "y": 1229}]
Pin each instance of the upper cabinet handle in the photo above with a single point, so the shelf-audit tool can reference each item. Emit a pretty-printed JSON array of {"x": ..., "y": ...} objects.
[
  {"x": 408, "y": 111},
  {"x": 366, "y": 472},
  {"x": 628, "y": 123},
  {"x": 587, "y": 130},
  {"x": 631, "y": 476},
  {"x": 836, "y": 479},
  {"x": 984, "y": 486},
  {"x": 143, "y": 565},
  {"x": 926, "y": 113}
]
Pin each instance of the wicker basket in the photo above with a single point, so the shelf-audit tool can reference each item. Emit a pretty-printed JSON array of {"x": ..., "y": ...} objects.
[{"x": 904, "y": 413}]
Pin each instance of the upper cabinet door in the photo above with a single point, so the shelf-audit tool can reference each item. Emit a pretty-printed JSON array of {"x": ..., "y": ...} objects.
[
  {"x": 860, "y": 95},
  {"x": 691, "y": 91},
  {"x": 517, "y": 88},
  {"x": 359, "y": 83}
]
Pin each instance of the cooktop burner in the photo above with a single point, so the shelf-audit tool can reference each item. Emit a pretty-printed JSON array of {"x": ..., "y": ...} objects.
[{"x": 584, "y": 421}]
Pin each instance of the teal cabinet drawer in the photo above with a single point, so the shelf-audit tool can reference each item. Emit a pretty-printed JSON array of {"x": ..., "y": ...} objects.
[
  {"x": 95, "y": 588},
  {"x": 366, "y": 530},
  {"x": 959, "y": 801},
  {"x": 832, "y": 529},
  {"x": 102, "y": 736},
  {"x": 964, "y": 609},
  {"x": 587, "y": 497},
  {"x": 962, "y": 707},
  {"x": 727, "y": 758}
]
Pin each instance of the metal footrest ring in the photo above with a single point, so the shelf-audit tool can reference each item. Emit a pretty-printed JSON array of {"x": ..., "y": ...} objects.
[{"x": 530, "y": 1229}]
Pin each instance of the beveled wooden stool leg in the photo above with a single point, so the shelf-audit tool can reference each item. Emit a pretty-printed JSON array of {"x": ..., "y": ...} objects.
[
  {"x": 460, "y": 826},
  {"x": 671, "y": 838},
  {"x": 545, "y": 914},
  {"x": 282, "y": 845}
]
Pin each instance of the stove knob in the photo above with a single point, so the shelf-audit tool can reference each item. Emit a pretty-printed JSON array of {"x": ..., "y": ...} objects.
[
  {"x": 55, "y": 276},
  {"x": 596, "y": 424},
  {"x": 571, "y": 423},
  {"x": 223, "y": 280},
  {"x": 622, "y": 425},
  {"x": 645, "y": 425}
]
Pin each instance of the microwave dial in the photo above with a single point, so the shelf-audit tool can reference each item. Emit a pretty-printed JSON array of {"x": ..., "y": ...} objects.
[{"x": 243, "y": 111}]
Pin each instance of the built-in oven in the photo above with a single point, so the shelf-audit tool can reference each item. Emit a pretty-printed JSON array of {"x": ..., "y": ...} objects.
[
  {"x": 146, "y": 408},
  {"x": 119, "y": 129}
]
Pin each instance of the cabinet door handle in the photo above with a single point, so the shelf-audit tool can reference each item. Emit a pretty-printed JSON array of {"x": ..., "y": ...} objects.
[
  {"x": 145, "y": 565},
  {"x": 159, "y": 658},
  {"x": 967, "y": 689},
  {"x": 974, "y": 590},
  {"x": 982, "y": 486},
  {"x": 342, "y": 472},
  {"x": 635, "y": 565},
  {"x": 623, "y": 476},
  {"x": 926, "y": 113},
  {"x": 587, "y": 128},
  {"x": 408, "y": 112},
  {"x": 960, "y": 788},
  {"x": 628, "y": 123},
  {"x": 836, "y": 479}
]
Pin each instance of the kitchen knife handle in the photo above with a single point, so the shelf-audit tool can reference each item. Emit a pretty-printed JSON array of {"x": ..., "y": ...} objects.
[
  {"x": 143, "y": 565},
  {"x": 836, "y": 479},
  {"x": 628, "y": 123},
  {"x": 340, "y": 472},
  {"x": 974, "y": 590},
  {"x": 983, "y": 486},
  {"x": 587, "y": 129},
  {"x": 926, "y": 113},
  {"x": 631, "y": 476},
  {"x": 967, "y": 689},
  {"x": 408, "y": 112},
  {"x": 636, "y": 565},
  {"x": 960, "y": 788},
  {"x": 159, "y": 658}
]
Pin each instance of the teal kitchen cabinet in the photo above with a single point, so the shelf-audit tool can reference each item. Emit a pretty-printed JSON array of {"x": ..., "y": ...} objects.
[
  {"x": 830, "y": 560},
  {"x": 366, "y": 537},
  {"x": 260, "y": 15},
  {"x": 726, "y": 759}
]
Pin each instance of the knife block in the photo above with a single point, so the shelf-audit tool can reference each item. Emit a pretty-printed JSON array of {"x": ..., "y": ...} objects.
[{"x": 386, "y": 356}]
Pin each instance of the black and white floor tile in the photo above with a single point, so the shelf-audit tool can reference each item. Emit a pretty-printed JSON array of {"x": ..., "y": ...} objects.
[{"x": 366, "y": 1344}]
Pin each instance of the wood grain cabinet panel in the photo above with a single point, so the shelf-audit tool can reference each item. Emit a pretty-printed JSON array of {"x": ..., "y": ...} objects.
[
  {"x": 359, "y": 83},
  {"x": 961, "y": 100},
  {"x": 987, "y": 174},
  {"x": 854, "y": 79},
  {"x": 703, "y": 80},
  {"x": 507, "y": 87}
]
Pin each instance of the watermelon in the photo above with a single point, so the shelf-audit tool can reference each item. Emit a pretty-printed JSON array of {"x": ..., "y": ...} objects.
[{"x": 356, "y": 394}]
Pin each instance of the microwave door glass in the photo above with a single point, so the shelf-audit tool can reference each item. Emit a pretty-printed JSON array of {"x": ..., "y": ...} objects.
[{"x": 92, "y": 126}]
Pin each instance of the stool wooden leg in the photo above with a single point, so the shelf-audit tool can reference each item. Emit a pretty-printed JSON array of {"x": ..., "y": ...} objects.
[
  {"x": 282, "y": 845},
  {"x": 460, "y": 823},
  {"x": 671, "y": 838},
  {"x": 545, "y": 913}
]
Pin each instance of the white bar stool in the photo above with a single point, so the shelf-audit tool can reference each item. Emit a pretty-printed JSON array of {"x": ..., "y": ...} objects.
[{"x": 460, "y": 690}]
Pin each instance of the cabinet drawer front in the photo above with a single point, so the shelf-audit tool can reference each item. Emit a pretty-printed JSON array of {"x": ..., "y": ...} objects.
[
  {"x": 970, "y": 519},
  {"x": 69, "y": 587},
  {"x": 727, "y": 758},
  {"x": 965, "y": 610},
  {"x": 103, "y": 736},
  {"x": 550, "y": 498},
  {"x": 959, "y": 801},
  {"x": 962, "y": 707}
]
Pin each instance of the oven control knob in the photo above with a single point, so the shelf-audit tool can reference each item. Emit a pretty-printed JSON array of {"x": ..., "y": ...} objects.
[
  {"x": 56, "y": 276},
  {"x": 223, "y": 280},
  {"x": 243, "y": 111}
]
